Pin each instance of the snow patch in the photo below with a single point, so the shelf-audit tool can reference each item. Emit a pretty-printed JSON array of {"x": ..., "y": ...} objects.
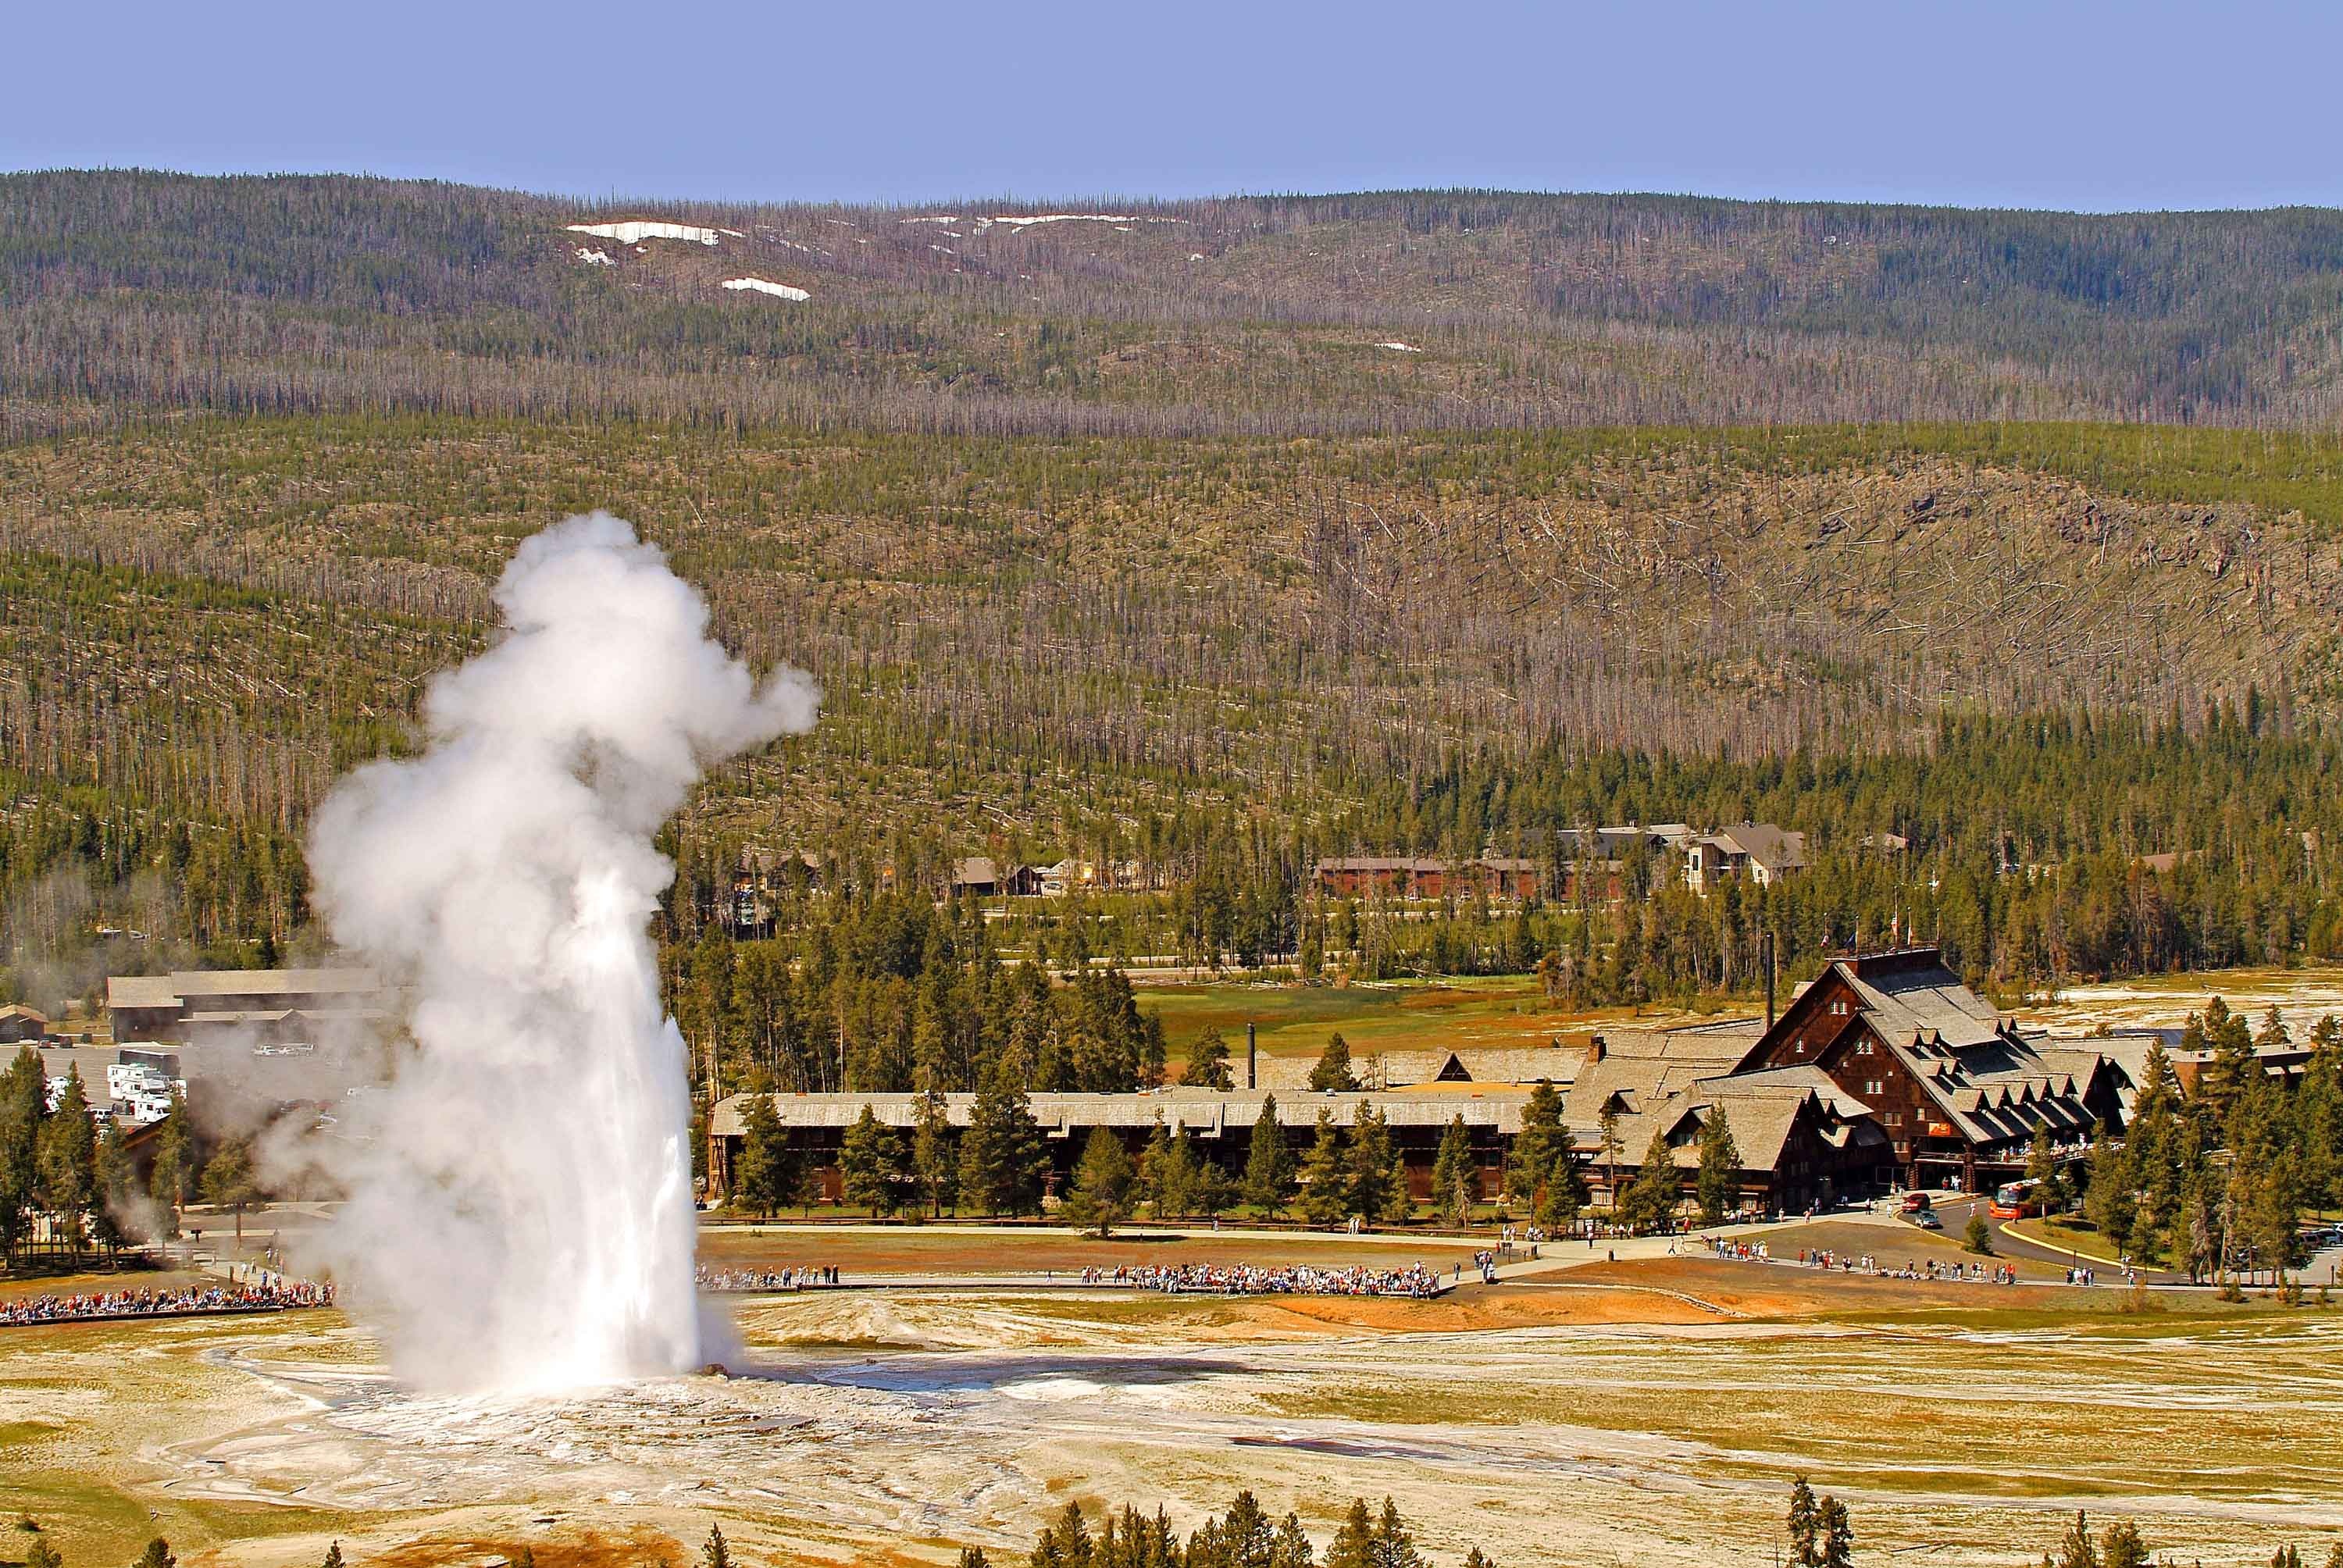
[
  {"x": 777, "y": 290},
  {"x": 947, "y": 217},
  {"x": 1117, "y": 218},
  {"x": 595, "y": 258},
  {"x": 634, "y": 231},
  {"x": 1401, "y": 347}
]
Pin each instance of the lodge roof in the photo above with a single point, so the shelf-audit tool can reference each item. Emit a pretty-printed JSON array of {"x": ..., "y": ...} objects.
[
  {"x": 181, "y": 986},
  {"x": 1206, "y": 1113}
]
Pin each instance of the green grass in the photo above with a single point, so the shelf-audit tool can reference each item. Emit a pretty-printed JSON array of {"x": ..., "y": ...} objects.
[{"x": 1397, "y": 1015}]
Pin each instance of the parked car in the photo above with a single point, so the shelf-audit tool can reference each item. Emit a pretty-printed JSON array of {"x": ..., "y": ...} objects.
[
  {"x": 1919, "y": 1203},
  {"x": 1925, "y": 1219}
]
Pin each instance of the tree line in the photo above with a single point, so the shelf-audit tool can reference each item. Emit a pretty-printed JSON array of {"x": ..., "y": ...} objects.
[
  {"x": 62, "y": 1171},
  {"x": 2215, "y": 1183}
]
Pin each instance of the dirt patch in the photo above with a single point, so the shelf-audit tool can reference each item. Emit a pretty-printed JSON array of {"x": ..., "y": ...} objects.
[
  {"x": 641, "y": 1547},
  {"x": 17, "y": 1286}
]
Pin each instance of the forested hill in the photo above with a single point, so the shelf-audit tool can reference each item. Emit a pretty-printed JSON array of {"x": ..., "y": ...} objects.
[{"x": 123, "y": 291}]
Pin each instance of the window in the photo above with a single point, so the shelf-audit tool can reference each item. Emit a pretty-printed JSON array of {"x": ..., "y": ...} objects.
[
  {"x": 1895, "y": 1119},
  {"x": 1862, "y": 1047},
  {"x": 1873, "y": 1086},
  {"x": 1839, "y": 1008},
  {"x": 1800, "y": 1044}
]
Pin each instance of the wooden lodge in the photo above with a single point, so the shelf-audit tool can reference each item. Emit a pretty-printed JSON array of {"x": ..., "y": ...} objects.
[
  {"x": 1956, "y": 1088},
  {"x": 1499, "y": 877}
]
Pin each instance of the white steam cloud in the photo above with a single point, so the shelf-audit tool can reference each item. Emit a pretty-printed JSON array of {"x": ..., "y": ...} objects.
[{"x": 520, "y": 1210}]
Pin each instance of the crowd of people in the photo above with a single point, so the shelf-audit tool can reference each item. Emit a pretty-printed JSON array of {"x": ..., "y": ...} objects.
[
  {"x": 1868, "y": 1263},
  {"x": 792, "y": 1279},
  {"x": 1414, "y": 1282},
  {"x": 254, "y": 1296}
]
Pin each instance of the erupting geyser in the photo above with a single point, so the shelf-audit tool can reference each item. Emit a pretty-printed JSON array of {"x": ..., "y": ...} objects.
[{"x": 520, "y": 1212}]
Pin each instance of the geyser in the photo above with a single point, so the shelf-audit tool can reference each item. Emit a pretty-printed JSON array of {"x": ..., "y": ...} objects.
[{"x": 520, "y": 1207}]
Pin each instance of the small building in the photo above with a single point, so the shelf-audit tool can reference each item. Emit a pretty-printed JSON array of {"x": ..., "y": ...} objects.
[
  {"x": 1757, "y": 852},
  {"x": 195, "y": 1007},
  {"x": 22, "y": 1025},
  {"x": 1499, "y": 877},
  {"x": 980, "y": 876}
]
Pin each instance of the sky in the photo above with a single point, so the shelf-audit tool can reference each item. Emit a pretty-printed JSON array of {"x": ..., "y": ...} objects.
[{"x": 2079, "y": 104}]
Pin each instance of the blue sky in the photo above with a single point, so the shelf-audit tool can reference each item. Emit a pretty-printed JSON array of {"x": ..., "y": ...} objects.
[{"x": 2088, "y": 106}]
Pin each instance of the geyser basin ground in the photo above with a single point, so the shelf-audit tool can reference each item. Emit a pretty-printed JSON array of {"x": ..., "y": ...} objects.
[{"x": 898, "y": 1422}]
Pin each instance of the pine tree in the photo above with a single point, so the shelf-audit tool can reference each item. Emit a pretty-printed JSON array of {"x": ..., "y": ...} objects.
[
  {"x": 2112, "y": 1199},
  {"x": 1456, "y": 1175},
  {"x": 1371, "y": 1165},
  {"x": 869, "y": 1163},
  {"x": 117, "y": 1179},
  {"x": 1394, "y": 1545},
  {"x": 1326, "y": 1175},
  {"x": 68, "y": 1156},
  {"x": 157, "y": 1556},
  {"x": 1978, "y": 1237},
  {"x": 41, "y": 1555},
  {"x": 24, "y": 1108},
  {"x": 1153, "y": 1158},
  {"x": 761, "y": 1174},
  {"x": 2122, "y": 1546},
  {"x": 168, "y": 1180},
  {"x": 931, "y": 1153},
  {"x": 1333, "y": 1072},
  {"x": 1606, "y": 1125},
  {"x": 1000, "y": 1155},
  {"x": 2042, "y": 1170},
  {"x": 1101, "y": 1194},
  {"x": 228, "y": 1182},
  {"x": 2075, "y": 1549},
  {"x": 1838, "y": 1535},
  {"x": 1269, "y": 1163},
  {"x": 1541, "y": 1172},
  {"x": 1651, "y": 1197},
  {"x": 1208, "y": 1061},
  {"x": 713, "y": 1552},
  {"x": 1718, "y": 1184},
  {"x": 333, "y": 1558},
  {"x": 1353, "y": 1545},
  {"x": 1805, "y": 1526},
  {"x": 1067, "y": 1542}
]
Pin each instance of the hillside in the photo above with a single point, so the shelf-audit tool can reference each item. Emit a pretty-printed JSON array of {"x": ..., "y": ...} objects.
[
  {"x": 1265, "y": 316},
  {"x": 1012, "y": 633},
  {"x": 1213, "y": 536}
]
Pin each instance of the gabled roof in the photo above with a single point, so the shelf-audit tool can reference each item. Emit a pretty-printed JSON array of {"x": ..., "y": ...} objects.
[
  {"x": 1776, "y": 849},
  {"x": 1762, "y": 1108}
]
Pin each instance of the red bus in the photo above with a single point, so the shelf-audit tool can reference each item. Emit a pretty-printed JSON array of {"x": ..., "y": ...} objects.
[{"x": 2014, "y": 1200}]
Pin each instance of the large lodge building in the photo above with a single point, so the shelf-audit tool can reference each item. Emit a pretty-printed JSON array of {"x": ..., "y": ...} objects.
[{"x": 1883, "y": 1072}]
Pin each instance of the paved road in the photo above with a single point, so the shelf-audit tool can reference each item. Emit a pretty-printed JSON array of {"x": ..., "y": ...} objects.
[{"x": 1955, "y": 1211}]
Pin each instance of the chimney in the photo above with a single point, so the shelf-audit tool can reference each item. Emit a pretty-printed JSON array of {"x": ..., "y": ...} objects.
[
  {"x": 1252, "y": 1059},
  {"x": 1767, "y": 941}
]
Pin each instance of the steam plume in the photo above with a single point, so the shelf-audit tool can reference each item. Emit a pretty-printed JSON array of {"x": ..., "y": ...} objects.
[{"x": 520, "y": 1213}]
